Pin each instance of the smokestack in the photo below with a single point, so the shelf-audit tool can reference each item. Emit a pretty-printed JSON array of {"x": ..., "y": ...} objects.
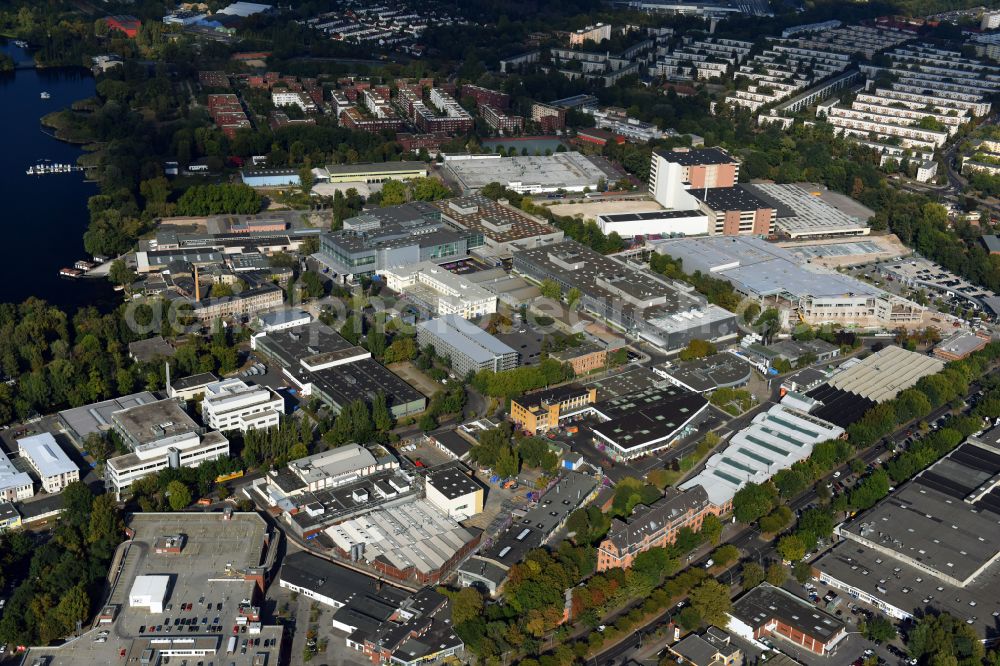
[
  {"x": 167, "y": 363},
  {"x": 197, "y": 286}
]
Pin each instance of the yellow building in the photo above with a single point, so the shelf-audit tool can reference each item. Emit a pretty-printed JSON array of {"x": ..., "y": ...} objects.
[
  {"x": 10, "y": 519},
  {"x": 540, "y": 412}
]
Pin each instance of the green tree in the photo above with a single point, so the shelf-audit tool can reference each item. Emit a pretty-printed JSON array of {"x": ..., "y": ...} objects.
[
  {"x": 711, "y": 600},
  {"x": 507, "y": 463},
  {"x": 878, "y": 628},
  {"x": 121, "y": 274},
  {"x": 776, "y": 574},
  {"x": 802, "y": 571},
  {"x": 179, "y": 495},
  {"x": 573, "y": 296},
  {"x": 791, "y": 548},
  {"x": 697, "y": 349},
  {"x": 711, "y": 528},
  {"x": 753, "y": 575},
  {"x": 401, "y": 349},
  {"x": 98, "y": 446},
  {"x": 753, "y": 501},
  {"x": 394, "y": 193},
  {"x": 381, "y": 417},
  {"x": 551, "y": 289},
  {"x": 466, "y": 605}
]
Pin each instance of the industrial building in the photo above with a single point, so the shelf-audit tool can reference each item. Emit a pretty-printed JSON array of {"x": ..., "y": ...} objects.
[
  {"x": 774, "y": 276},
  {"x": 409, "y": 541},
  {"x": 54, "y": 468},
  {"x": 881, "y": 376},
  {"x": 768, "y": 611},
  {"x": 336, "y": 467},
  {"x": 707, "y": 374},
  {"x": 496, "y": 227},
  {"x": 630, "y": 298},
  {"x": 270, "y": 177},
  {"x": 774, "y": 440},
  {"x": 209, "y": 580},
  {"x": 568, "y": 172},
  {"x": 469, "y": 347},
  {"x": 735, "y": 211},
  {"x": 537, "y": 413},
  {"x": 454, "y": 491},
  {"x": 384, "y": 623},
  {"x": 372, "y": 172},
  {"x": 232, "y": 404},
  {"x": 440, "y": 291},
  {"x": 653, "y": 526},
  {"x": 960, "y": 344},
  {"x": 805, "y": 213},
  {"x": 649, "y": 428},
  {"x": 321, "y": 363},
  {"x": 79, "y": 422},
  {"x": 668, "y": 223},
  {"x": 159, "y": 435},
  {"x": 392, "y": 237},
  {"x": 930, "y": 546}
]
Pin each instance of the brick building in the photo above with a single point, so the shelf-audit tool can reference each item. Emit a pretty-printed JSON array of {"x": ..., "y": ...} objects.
[{"x": 540, "y": 412}]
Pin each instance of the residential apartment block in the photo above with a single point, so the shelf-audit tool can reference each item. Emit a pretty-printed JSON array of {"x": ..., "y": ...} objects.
[
  {"x": 593, "y": 33},
  {"x": 919, "y": 98},
  {"x": 500, "y": 121},
  {"x": 495, "y": 98},
  {"x": 709, "y": 58}
]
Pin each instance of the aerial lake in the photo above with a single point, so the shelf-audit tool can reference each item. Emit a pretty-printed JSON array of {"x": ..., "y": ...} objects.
[{"x": 44, "y": 216}]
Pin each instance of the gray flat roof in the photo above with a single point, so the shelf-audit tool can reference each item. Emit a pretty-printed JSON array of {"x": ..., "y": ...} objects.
[
  {"x": 466, "y": 337},
  {"x": 46, "y": 454},
  {"x": 96, "y": 417},
  {"x": 720, "y": 370},
  {"x": 156, "y": 420},
  {"x": 766, "y": 602},
  {"x": 373, "y": 167}
]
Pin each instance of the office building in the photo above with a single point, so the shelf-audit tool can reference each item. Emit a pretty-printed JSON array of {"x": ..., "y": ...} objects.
[
  {"x": 322, "y": 364},
  {"x": 454, "y": 491},
  {"x": 768, "y": 611},
  {"x": 79, "y": 422},
  {"x": 990, "y": 20},
  {"x": 931, "y": 545},
  {"x": 660, "y": 223},
  {"x": 495, "y": 227},
  {"x": 735, "y": 211},
  {"x": 50, "y": 462},
  {"x": 159, "y": 435},
  {"x": 653, "y": 526},
  {"x": 439, "y": 290},
  {"x": 391, "y": 237},
  {"x": 775, "y": 277},
  {"x": 630, "y": 298},
  {"x": 243, "y": 304},
  {"x": 470, "y": 348},
  {"x": 774, "y": 440},
  {"x": 568, "y": 172},
  {"x": 188, "y": 388},
  {"x": 537, "y": 413},
  {"x": 232, "y": 404},
  {"x": 707, "y": 374}
]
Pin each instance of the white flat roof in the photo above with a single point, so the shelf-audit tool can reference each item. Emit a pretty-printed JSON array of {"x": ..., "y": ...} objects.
[
  {"x": 153, "y": 588},
  {"x": 46, "y": 454}
]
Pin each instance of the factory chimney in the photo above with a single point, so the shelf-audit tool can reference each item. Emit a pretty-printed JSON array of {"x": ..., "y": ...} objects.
[{"x": 197, "y": 285}]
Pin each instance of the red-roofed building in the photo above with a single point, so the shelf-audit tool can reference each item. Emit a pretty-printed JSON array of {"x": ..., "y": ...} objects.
[
  {"x": 600, "y": 137},
  {"x": 128, "y": 24}
]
